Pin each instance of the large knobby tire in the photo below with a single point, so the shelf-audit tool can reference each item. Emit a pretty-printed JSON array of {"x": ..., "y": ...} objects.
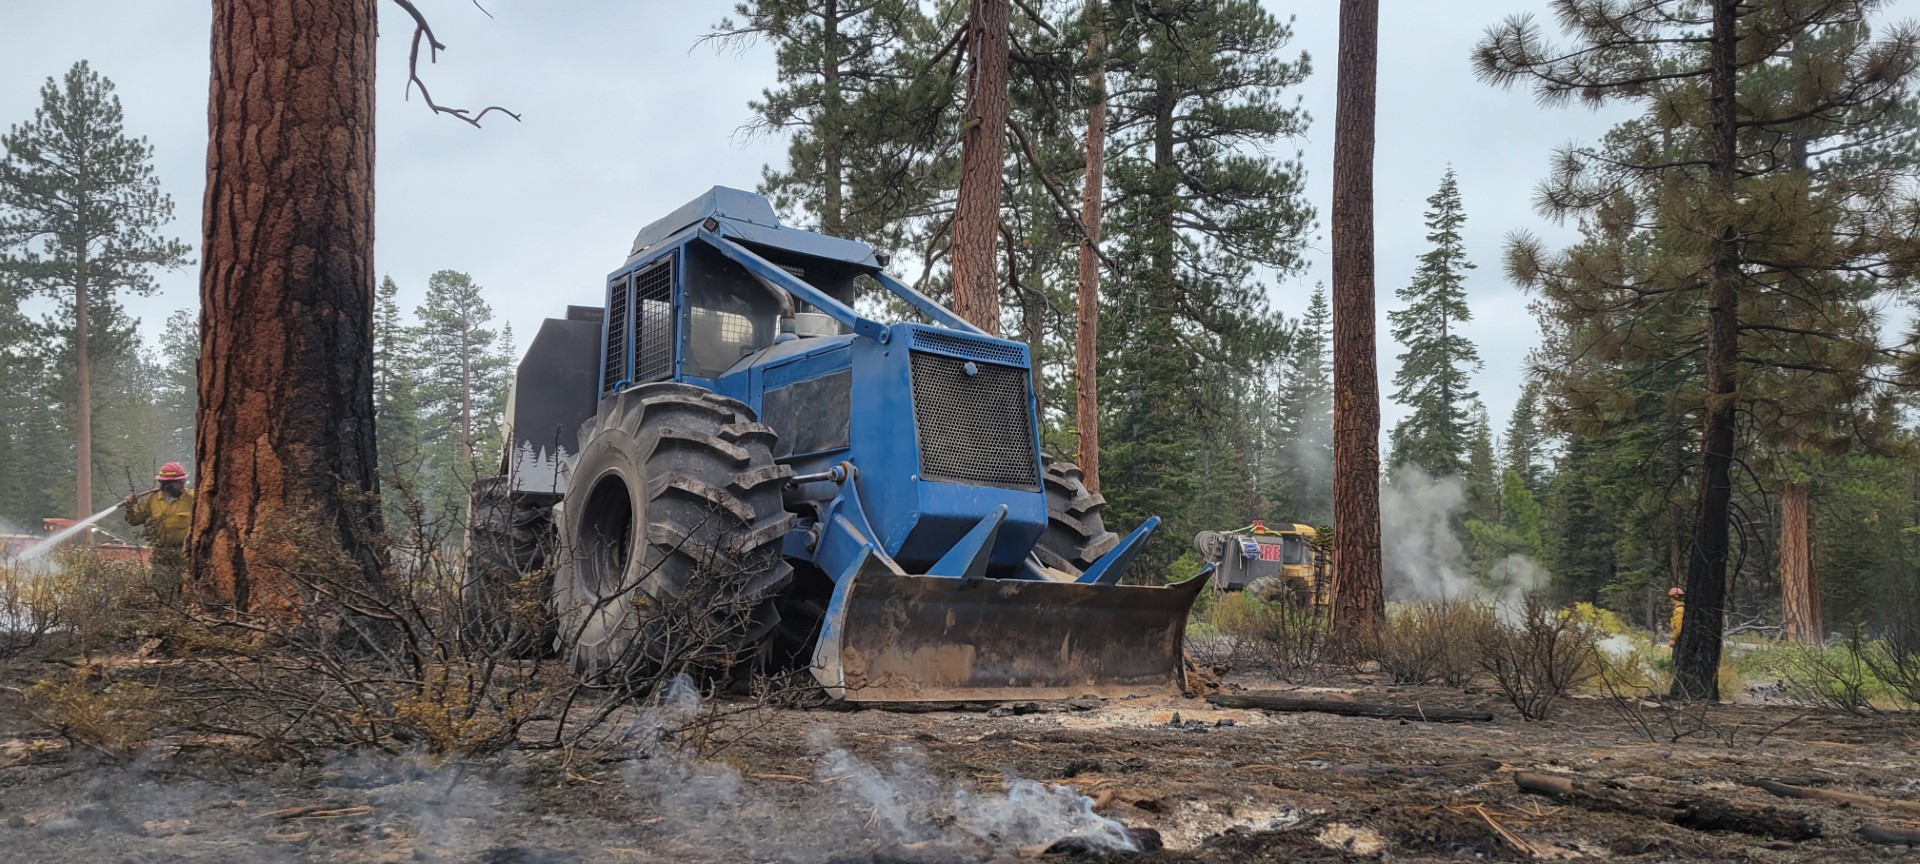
[
  {"x": 503, "y": 598},
  {"x": 1076, "y": 535},
  {"x": 671, "y": 537}
]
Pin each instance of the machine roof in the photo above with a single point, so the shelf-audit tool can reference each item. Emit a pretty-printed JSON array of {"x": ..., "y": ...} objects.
[{"x": 750, "y": 218}]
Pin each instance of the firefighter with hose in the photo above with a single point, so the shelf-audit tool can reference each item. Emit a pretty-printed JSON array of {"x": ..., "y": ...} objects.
[{"x": 166, "y": 511}]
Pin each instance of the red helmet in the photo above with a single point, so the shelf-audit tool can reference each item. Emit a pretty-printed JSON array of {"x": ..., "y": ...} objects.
[
  {"x": 1676, "y": 592},
  {"x": 170, "y": 471}
]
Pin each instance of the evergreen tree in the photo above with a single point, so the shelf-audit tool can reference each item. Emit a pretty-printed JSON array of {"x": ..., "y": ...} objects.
[
  {"x": 1582, "y": 533},
  {"x": 31, "y": 445},
  {"x": 1195, "y": 205},
  {"x": 1301, "y": 453},
  {"x": 396, "y": 403},
  {"x": 1710, "y": 212},
  {"x": 462, "y": 379},
  {"x": 1483, "y": 494},
  {"x": 865, "y": 95},
  {"x": 1518, "y": 531},
  {"x": 1435, "y": 368},
  {"x": 176, "y": 394},
  {"x": 1524, "y": 448},
  {"x": 1359, "y": 596},
  {"x": 80, "y": 207}
]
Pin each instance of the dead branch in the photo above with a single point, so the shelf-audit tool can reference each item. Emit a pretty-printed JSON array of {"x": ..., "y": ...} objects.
[
  {"x": 1890, "y": 835},
  {"x": 423, "y": 32},
  {"x": 1278, "y": 702},
  {"x": 1695, "y": 812},
  {"x": 1837, "y": 796}
]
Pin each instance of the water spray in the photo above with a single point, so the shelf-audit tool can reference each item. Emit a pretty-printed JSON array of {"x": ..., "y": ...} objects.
[{"x": 54, "y": 541}]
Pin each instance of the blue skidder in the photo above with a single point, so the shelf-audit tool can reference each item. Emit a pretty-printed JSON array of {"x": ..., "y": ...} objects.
[{"x": 727, "y": 458}]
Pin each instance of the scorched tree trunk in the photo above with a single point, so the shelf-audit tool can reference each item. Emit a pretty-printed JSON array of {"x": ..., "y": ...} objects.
[
  {"x": 1359, "y": 600},
  {"x": 285, "y": 435}
]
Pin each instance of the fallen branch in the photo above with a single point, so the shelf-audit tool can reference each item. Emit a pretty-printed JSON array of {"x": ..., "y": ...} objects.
[
  {"x": 1518, "y": 844},
  {"x": 1836, "y": 796},
  {"x": 1368, "y": 770},
  {"x": 1889, "y": 835},
  {"x": 1696, "y": 812},
  {"x": 1277, "y": 702}
]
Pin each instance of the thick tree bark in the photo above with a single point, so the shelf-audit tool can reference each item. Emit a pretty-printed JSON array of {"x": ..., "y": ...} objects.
[
  {"x": 83, "y": 404},
  {"x": 286, "y": 434},
  {"x": 1086, "y": 330},
  {"x": 976, "y": 218},
  {"x": 833, "y": 171},
  {"x": 1696, "y": 659},
  {"x": 1359, "y": 601},
  {"x": 1799, "y": 585}
]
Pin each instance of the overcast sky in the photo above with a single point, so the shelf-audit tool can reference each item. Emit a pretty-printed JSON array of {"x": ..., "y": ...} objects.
[{"x": 626, "y": 119}]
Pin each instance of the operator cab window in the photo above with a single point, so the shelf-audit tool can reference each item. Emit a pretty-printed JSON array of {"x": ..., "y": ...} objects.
[{"x": 730, "y": 314}]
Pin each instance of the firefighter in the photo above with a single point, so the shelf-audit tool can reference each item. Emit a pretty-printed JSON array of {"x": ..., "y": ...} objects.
[
  {"x": 1678, "y": 598},
  {"x": 166, "y": 512}
]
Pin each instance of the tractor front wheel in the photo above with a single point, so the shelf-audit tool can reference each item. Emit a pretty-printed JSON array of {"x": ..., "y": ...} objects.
[{"x": 670, "y": 537}]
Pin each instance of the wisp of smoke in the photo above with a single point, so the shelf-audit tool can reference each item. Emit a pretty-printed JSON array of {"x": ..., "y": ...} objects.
[
  {"x": 1423, "y": 558},
  {"x": 853, "y": 805},
  {"x": 1421, "y": 555}
]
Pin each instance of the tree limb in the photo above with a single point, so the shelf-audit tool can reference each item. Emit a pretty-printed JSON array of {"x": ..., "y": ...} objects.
[{"x": 422, "y": 31}]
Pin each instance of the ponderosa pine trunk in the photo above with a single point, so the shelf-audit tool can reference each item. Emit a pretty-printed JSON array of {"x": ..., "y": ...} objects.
[
  {"x": 1696, "y": 659},
  {"x": 1799, "y": 585},
  {"x": 285, "y": 437},
  {"x": 1086, "y": 329},
  {"x": 1359, "y": 600},
  {"x": 832, "y": 114},
  {"x": 83, "y": 403},
  {"x": 976, "y": 218}
]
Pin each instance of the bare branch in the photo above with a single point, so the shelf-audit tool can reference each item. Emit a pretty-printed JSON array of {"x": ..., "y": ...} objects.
[{"x": 423, "y": 32}]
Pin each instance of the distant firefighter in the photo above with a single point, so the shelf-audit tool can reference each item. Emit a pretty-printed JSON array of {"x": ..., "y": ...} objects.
[
  {"x": 1678, "y": 598},
  {"x": 166, "y": 512}
]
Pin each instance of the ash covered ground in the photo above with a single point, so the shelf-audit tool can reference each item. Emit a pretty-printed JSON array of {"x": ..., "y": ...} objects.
[{"x": 1021, "y": 782}]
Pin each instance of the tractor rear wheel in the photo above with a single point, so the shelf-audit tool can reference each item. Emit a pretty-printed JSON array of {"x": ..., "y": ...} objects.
[
  {"x": 1076, "y": 535},
  {"x": 671, "y": 536},
  {"x": 503, "y": 598}
]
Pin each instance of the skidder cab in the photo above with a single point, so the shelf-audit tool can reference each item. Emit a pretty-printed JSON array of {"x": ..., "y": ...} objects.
[{"x": 729, "y": 449}]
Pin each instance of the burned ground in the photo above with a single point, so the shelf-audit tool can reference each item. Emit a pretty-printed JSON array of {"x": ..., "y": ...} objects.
[{"x": 822, "y": 785}]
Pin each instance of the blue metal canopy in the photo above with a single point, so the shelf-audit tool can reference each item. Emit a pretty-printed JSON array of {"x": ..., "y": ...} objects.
[{"x": 751, "y": 219}]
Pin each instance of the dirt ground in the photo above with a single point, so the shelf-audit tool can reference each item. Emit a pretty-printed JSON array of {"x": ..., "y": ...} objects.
[{"x": 829, "y": 785}]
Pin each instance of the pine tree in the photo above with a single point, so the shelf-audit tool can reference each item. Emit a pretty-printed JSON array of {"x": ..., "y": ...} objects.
[
  {"x": 1433, "y": 379},
  {"x": 1194, "y": 208},
  {"x": 1483, "y": 494},
  {"x": 396, "y": 402},
  {"x": 864, "y": 97},
  {"x": 80, "y": 207},
  {"x": 1582, "y": 533},
  {"x": 461, "y": 371},
  {"x": 176, "y": 387},
  {"x": 31, "y": 445},
  {"x": 1524, "y": 449},
  {"x": 1708, "y": 213},
  {"x": 1086, "y": 342},
  {"x": 1359, "y": 598},
  {"x": 1301, "y": 455}
]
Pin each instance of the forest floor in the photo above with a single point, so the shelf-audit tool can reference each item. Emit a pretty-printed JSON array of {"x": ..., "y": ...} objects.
[{"x": 870, "y": 785}]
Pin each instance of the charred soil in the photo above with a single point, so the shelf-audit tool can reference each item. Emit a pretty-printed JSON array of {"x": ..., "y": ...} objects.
[{"x": 1190, "y": 782}]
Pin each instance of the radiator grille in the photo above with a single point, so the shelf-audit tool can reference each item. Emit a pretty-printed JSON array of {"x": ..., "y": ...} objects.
[
  {"x": 653, "y": 305},
  {"x": 974, "y": 429},
  {"x": 619, "y": 307},
  {"x": 970, "y": 348}
]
